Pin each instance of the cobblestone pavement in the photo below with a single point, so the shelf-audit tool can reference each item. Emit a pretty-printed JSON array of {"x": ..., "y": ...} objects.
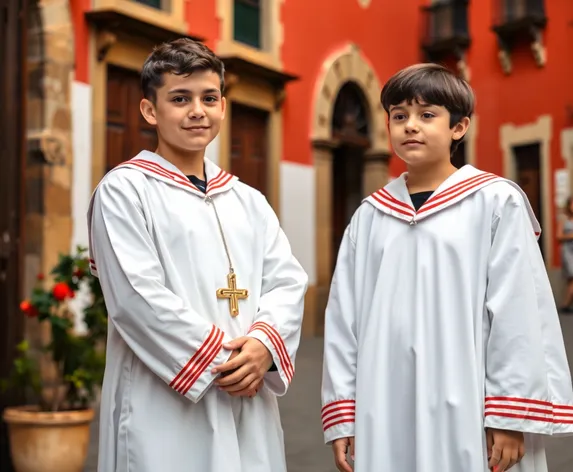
[{"x": 300, "y": 410}]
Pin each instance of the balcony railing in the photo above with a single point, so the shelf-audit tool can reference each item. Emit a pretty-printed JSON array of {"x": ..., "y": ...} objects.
[
  {"x": 445, "y": 27},
  {"x": 518, "y": 14}
]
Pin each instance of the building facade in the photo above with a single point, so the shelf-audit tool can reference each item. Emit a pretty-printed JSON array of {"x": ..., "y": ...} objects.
[{"x": 304, "y": 125}]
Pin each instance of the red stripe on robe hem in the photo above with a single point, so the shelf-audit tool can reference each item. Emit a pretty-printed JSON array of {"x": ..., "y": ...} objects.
[
  {"x": 527, "y": 409},
  {"x": 279, "y": 346},
  {"x": 187, "y": 376},
  {"x": 337, "y": 412}
]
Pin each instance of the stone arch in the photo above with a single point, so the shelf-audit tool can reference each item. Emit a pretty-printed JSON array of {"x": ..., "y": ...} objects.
[{"x": 348, "y": 65}]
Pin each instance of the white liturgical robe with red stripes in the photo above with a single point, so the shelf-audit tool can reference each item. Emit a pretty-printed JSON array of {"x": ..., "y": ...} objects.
[
  {"x": 156, "y": 247},
  {"x": 441, "y": 322}
]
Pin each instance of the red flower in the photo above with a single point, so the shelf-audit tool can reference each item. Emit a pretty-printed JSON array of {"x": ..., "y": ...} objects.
[
  {"x": 28, "y": 309},
  {"x": 61, "y": 291},
  {"x": 40, "y": 276},
  {"x": 79, "y": 273}
]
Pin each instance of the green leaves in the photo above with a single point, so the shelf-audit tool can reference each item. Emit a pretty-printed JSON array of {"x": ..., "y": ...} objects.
[
  {"x": 25, "y": 372},
  {"x": 80, "y": 358}
]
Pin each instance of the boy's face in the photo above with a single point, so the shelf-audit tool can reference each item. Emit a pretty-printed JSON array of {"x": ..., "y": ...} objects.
[
  {"x": 420, "y": 133},
  {"x": 188, "y": 110}
]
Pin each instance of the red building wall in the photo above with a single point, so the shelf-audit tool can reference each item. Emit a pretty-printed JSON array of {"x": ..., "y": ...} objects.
[
  {"x": 386, "y": 32},
  {"x": 78, "y": 10},
  {"x": 528, "y": 92},
  {"x": 202, "y": 19}
]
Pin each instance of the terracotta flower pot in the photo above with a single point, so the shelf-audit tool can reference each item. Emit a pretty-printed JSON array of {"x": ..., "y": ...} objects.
[{"x": 48, "y": 441}]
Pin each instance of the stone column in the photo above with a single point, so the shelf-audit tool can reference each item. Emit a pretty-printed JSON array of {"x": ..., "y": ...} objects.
[
  {"x": 56, "y": 138},
  {"x": 322, "y": 156},
  {"x": 375, "y": 173},
  {"x": 48, "y": 169}
]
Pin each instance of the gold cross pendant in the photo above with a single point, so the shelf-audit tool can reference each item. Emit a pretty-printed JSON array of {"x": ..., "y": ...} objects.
[{"x": 233, "y": 293}]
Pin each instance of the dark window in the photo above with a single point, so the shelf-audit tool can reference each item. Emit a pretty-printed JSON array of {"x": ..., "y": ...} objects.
[
  {"x": 508, "y": 11},
  {"x": 445, "y": 28},
  {"x": 351, "y": 116},
  {"x": 247, "y": 22},
  {"x": 151, "y": 3},
  {"x": 528, "y": 166}
]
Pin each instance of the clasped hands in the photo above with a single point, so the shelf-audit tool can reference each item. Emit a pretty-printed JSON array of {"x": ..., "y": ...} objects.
[{"x": 242, "y": 374}]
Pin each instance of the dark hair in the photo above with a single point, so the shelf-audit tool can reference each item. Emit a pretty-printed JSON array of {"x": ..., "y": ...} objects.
[
  {"x": 181, "y": 57},
  {"x": 433, "y": 84}
]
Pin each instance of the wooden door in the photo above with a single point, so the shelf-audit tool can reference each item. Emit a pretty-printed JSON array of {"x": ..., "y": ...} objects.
[
  {"x": 527, "y": 163},
  {"x": 347, "y": 170},
  {"x": 12, "y": 86},
  {"x": 249, "y": 146},
  {"x": 127, "y": 131}
]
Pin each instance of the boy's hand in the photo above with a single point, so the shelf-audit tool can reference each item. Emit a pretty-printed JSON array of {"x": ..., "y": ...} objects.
[
  {"x": 234, "y": 354},
  {"x": 504, "y": 448},
  {"x": 248, "y": 367},
  {"x": 340, "y": 448}
]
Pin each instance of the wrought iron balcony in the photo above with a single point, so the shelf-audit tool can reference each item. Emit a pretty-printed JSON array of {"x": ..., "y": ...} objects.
[
  {"x": 515, "y": 21},
  {"x": 513, "y": 16},
  {"x": 445, "y": 29}
]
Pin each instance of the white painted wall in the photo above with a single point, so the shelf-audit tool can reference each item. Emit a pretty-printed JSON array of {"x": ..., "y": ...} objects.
[
  {"x": 297, "y": 211},
  {"x": 81, "y": 104},
  {"x": 81, "y": 107}
]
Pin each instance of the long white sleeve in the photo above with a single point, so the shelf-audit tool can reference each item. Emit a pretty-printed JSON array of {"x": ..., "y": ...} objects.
[
  {"x": 278, "y": 321},
  {"x": 528, "y": 382},
  {"x": 340, "y": 348},
  {"x": 164, "y": 332}
]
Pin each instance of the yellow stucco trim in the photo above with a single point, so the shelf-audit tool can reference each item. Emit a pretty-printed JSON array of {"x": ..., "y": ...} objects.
[
  {"x": 272, "y": 35},
  {"x": 345, "y": 65},
  {"x": 538, "y": 132},
  {"x": 171, "y": 18}
]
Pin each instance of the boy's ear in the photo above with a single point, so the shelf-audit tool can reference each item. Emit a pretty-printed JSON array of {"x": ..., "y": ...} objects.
[
  {"x": 461, "y": 128},
  {"x": 224, "y": 107},
  {"x": 147, "y": 109}
]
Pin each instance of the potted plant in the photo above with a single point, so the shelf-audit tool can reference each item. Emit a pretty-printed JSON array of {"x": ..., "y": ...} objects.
[{"x": 53, "y": 434}]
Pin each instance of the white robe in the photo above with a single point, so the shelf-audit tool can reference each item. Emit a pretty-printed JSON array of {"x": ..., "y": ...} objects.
[
  {"x": 442, "y": 322},
  {"x": 156, "y": 247}
]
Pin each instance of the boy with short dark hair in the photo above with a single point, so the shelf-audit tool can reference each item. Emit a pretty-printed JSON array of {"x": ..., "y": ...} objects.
[
  {"x": 443, "y": 350},
  {"x": 204, "y": 296}
]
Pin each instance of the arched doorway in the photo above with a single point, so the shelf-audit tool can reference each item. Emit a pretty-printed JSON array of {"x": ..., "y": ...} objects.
[
  {"x": 350, "y": 153},
  {"x": 351, "y": 133}
]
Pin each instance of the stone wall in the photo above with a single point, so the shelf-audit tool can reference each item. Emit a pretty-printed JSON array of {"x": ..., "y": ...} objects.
[
  {"x": 49, "y": 132},
  {"x": 48, "y": 169}
]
